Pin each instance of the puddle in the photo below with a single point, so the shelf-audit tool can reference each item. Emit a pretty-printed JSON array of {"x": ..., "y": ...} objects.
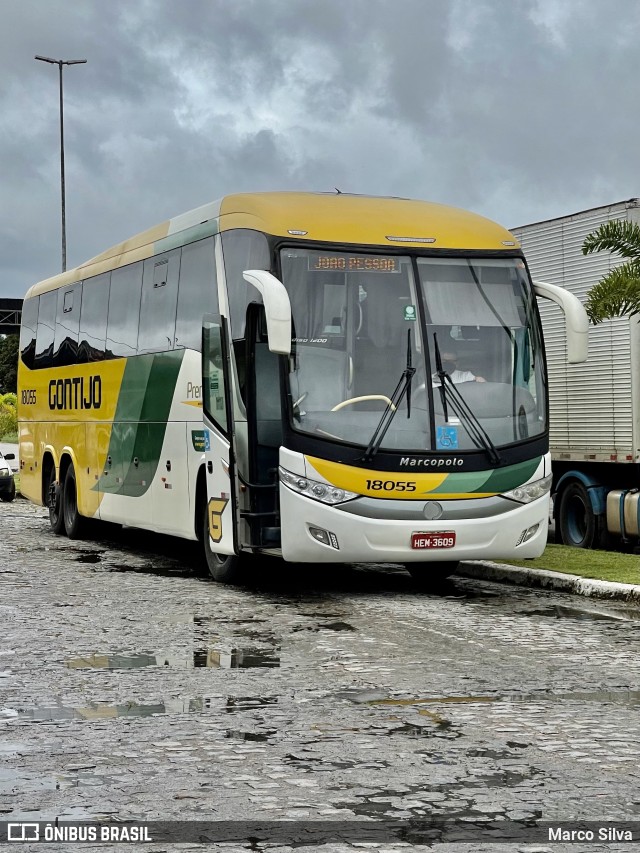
[
  {"x": 440, "y": 728},
  {"x": 321, "y": 614},
  {"x": 235, "y": 658},
  {"x": 378, "y": 697},
  {"x": 12, "y": 781},
  {"x": 247, "y": 703},
  {"x": 560, "y": 611},
  {"x": 97, "y": 711},
  {"x": 326, "y": 626},
  {"x": 89, "y": 557},
  {"x": 260, "y": 737},
  {"x": 316, "y": 764},
  {"x": 432, "y": 799},
  {"x": 173, "y": 571},
  {"x": 7, "y": 749},
  {"x": 621, "y": 697}
]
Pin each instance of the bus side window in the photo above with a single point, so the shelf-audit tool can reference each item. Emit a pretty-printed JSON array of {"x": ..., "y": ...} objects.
[
  {"x": 243, "y": 249},
  {"x": 197, "y": 292},
  {"x": 158, "y": 305},
  {"x": 46, "y": 329},
  {"x": 65, "y": 345},
  {"x": 93, "y": 318},
  {"x": 124, "y": 311},
  {"x": 28, "y": 331}
]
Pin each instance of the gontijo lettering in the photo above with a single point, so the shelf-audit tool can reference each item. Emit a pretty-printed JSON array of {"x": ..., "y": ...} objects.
[{"x": 76, "y": 393}]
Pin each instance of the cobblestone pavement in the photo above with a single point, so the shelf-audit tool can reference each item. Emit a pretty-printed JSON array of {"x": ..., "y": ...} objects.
[{"x": 132, "y": 689}]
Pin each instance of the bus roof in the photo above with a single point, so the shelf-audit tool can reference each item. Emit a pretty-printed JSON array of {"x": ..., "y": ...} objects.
[{"x": 331, "y": 217}]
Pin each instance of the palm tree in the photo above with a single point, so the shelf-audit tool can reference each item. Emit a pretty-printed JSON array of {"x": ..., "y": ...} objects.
[{"x": 617, "y": 294}]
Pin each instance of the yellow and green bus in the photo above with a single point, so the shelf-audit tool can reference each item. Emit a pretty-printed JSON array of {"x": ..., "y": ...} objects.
[{"x": 322, "y": 377}]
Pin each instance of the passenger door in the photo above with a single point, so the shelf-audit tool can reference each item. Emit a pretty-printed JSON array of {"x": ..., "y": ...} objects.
[{"x": 219, "y": 448}]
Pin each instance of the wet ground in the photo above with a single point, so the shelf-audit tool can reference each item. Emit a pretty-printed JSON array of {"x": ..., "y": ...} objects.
[{"x": 131, "y": 689}]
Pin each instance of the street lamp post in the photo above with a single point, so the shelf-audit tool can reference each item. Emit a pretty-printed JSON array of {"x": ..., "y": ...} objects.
[{"x": 60, "y": 63}]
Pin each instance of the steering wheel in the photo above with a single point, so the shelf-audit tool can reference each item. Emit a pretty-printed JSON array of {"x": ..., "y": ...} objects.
[{"x": 353, "y": 400}]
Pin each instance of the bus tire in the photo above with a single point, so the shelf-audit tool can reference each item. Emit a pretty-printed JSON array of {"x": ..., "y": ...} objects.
[
  {"x": 73, "y": 521},
  {"x": 54, "y": 502},
  {"x": 223, "y": 568},
  {"x": 429, "y": 574},
  {"x": 576, "y": 522}
]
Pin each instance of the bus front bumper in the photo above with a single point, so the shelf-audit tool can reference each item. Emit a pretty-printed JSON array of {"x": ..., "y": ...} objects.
[{"x": 318, "y": 533}]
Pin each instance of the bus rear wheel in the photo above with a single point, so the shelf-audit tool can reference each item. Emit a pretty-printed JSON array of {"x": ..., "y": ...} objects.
[
  {"x": 430, "y": 574},
  {"x": 54, "y": 502},
  {"x": 73, "y": 521},
  {"x": 224, "y": 568}
]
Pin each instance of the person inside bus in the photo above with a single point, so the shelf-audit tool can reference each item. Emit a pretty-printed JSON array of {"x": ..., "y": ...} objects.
[{"x": 450, "y": 366}]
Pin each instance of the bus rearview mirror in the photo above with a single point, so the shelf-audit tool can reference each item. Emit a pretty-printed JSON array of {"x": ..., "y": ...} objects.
[
  {"x": 277, "y": 309},
  {"x": 575, "y": 318}
]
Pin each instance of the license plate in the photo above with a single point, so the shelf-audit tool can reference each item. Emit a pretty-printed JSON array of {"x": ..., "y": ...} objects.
[{"x": 439, "y": 539}]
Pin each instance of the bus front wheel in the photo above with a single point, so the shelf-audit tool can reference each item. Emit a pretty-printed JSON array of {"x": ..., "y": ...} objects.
[
  {"x": 73, "y": 521},
  {"x": 54, "y": 502},
  {"x": 224, "y": 568}
]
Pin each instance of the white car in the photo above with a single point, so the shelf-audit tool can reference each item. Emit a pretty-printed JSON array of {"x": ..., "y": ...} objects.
[{"x": 7, "y": 483}]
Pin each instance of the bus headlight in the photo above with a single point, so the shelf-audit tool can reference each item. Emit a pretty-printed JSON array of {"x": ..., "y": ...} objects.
[
  {"x": 530, "y": 491},
  {"x": 323, "y": 492}
]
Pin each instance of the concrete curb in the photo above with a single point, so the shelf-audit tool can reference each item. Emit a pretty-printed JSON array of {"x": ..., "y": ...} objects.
[{"x": 545, "y": 579}]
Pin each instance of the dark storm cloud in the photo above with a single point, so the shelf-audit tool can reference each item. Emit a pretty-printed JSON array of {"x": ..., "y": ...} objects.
[{"x": 519, "y": 110}]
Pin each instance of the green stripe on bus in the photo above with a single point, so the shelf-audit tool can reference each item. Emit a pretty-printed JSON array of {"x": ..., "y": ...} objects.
[{"x": 140, "y": 422}]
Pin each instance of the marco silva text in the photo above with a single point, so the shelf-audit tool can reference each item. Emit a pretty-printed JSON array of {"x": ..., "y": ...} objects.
[{"x": 601, "y": 833}]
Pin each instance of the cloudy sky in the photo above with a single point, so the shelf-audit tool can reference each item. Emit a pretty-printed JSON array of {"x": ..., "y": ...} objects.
[{"x": 518, "y": 109}]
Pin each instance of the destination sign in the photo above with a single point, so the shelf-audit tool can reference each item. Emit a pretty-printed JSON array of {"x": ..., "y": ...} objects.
[{"x": 353, "y": 263}]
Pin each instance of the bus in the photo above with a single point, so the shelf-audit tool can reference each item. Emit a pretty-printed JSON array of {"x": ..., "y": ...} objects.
[{"x": 328, "y": 378}]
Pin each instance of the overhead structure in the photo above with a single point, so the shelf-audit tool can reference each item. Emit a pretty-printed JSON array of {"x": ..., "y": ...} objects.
[{"x": 10, "y": 316}]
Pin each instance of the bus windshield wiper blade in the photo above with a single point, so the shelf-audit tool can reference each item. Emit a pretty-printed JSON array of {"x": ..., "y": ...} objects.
[
  {"x": 462, "y": 410},
  {"x": 403, "y": 387}
]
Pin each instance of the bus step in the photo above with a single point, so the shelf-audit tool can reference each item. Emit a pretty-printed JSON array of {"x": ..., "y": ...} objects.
[{"x": 270, "y": 537}]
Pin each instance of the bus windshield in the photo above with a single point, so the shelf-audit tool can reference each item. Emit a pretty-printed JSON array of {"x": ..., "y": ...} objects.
[{"x": 359, "y": 318}]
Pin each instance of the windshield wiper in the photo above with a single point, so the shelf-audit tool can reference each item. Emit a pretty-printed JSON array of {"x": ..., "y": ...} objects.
[
  {"x": 403, "y": 387},
  {"x": 461, "y": 409}
]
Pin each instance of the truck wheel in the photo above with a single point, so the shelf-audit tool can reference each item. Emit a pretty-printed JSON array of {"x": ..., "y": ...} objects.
[
  {"x": 430, "y": 574},
  {"x": 224, "y": 568},
  {"x": 74, "y": 522},
  {"x": 54, "y": 502},
  {"x": 577, "y": 523}
]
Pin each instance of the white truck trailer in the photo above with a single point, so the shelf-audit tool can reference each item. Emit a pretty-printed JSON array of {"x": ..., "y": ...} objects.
[{"x": 594, "y": 406}]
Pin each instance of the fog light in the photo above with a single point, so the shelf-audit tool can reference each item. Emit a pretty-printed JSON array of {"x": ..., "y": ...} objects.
[
  {"x": 527, "y": 534},
  {"x": 325, "y": 536}
]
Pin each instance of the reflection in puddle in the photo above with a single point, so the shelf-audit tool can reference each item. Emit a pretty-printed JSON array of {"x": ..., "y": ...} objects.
[
  {"x": 259, "y": 737},
  {"x": 248, "y": 703},
  {"x": 560, "y": 611},
  {"x": 170, "y": 571},
  {"x": 235, "y": 658},
  {"x": 377, "y": 697},
  {"x": 443, "y": 729},
  {"x": 89, "y": 557},
  {"x": 97, "y": 711}
]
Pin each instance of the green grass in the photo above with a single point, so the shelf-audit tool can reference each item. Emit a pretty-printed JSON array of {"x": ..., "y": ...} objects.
[
  {"x": 10, "y": 438},
  {"x": 602, "y": 565}
]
